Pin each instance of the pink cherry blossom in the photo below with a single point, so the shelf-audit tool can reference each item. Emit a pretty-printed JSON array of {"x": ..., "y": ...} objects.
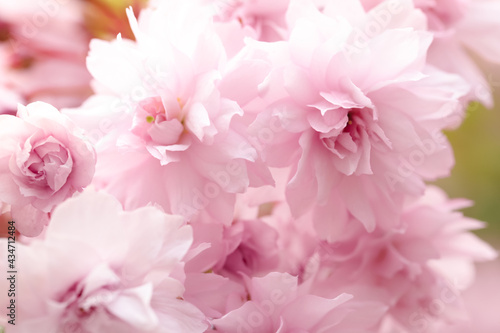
[
  {"x": 100, "y": 269},
  {"x": 245, "y": 247},
  {"x": 257, "y": 253},
  {"x": 171, "y": 139},
  {"x": 43, "y": 161},
  {"x": 419, "y": 271},
  {"x": 354, "y": 147}
]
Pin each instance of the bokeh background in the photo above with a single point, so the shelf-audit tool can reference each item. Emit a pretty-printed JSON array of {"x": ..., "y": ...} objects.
[{"x": 476, "y": 175}]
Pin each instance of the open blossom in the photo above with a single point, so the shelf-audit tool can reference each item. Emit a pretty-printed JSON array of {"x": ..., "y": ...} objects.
[
  {"x": 418, "y": 271},
  {"x": 246, "y": 246},
  {"x": 100, "y": 269},
  {"x": 250, "y": 244},
  {"x": 171, "y": 141},
  {"x": 359, "y": 122},
  {"x": 43, "y": 161}
]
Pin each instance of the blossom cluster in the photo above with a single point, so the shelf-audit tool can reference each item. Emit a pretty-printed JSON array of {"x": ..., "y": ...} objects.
[{"x": 241, "y": 165}]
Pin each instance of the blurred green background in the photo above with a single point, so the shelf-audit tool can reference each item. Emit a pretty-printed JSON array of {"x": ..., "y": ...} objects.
[{"x": 476, "y": 174}]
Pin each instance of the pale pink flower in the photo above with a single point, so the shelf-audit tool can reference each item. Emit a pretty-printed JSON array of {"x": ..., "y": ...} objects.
[
  {"x": 43, "y": 161},
  {"x": 100, "y": 269},
  {"x": 258, "y": 240},
  {"x": 418, "y": 271},
  {"x": 169, "y": 137},
  {"x": 257, "y": 253},
  {"x": 245, "y": 247},
  {"x": 359, "y": 120},
  {"x": 297, "y": 238},
  {"x": 481, "y": 302}
]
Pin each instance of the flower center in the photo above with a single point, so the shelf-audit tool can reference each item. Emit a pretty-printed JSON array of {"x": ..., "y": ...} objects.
[
  {"x": 48, "y": 164},
  {"x": 352, "y": 146},
  {"x": 348, "y": 140},
  {"x": 159, "y": 121}
]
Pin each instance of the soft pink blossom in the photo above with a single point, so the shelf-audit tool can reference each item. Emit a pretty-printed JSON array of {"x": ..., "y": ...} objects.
[
  {"x": 359, "y": 121},
  {"x": 245, "y": 247},
  {"x": 166, "y": 128},
  {"x": 43, "y": 161},
  {"x": 100, "y": 269},
  {"x": 419, "y": 271}
]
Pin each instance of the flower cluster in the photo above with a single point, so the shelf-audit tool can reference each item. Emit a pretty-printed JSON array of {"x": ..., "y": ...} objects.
[{"x": 252, "y": 166}]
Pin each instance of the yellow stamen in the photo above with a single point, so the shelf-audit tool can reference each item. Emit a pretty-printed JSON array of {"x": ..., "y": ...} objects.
[
  {"x": 180, "y": 102},
  {"x": 150, "y": 119}
]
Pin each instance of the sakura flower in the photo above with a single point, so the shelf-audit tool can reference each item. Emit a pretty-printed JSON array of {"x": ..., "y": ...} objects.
[
  {"x": 359, "y": 120},
  {"x": 418, "y": 272},
  {"x": 256, "y": 254},
  {"x": 43, "y": 161},
  {"x": 245, "y": 247},
  {"x": 100, "y": 269},
  {"x": 480, "y": 303},
  {"x": 171, "y": 140}
]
